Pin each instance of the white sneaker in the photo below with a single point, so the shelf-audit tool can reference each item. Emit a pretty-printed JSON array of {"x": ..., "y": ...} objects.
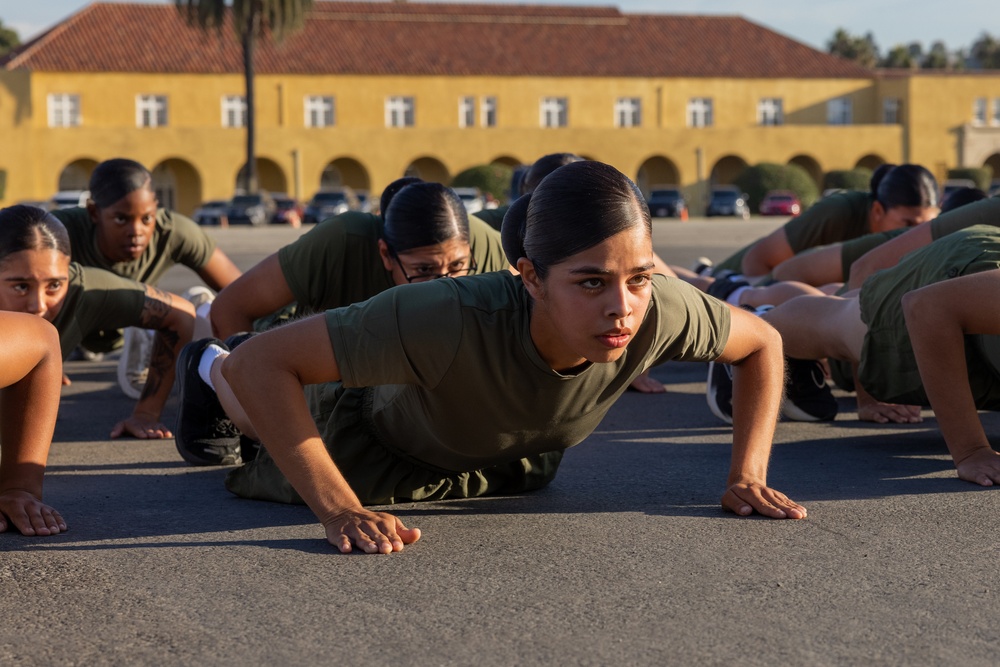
[
  {"x": 201, "y": 297},
  {"x": 133, "y": 366}
]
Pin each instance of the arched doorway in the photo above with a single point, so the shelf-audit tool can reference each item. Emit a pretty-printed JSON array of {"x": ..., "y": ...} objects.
[
  {"x": 177, "y": 185},
  {"x": 870, "y": 161},
  {"x": 270, "y": 176},
  {"x": 727, "y": 169},
  {"x": 657, "y": 170},
  {"x": 429, "y": 169},
  {"x": 345, "y": 171},
  {"x": 506, "y": 160},
  {"x": 76, "y": 175},
  {"x": 811, "y": 165}
]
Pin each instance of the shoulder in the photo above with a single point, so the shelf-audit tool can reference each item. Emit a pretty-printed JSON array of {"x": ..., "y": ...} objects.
[
  {"x": 73, "y": 218},
  {"x": 173, "y": 222},
  {"x": 93, "y": 279}
]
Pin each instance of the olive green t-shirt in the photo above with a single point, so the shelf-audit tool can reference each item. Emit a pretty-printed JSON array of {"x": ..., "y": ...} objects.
[
  {"x": 457, "y": 383},
  {"x": 176, "y": 239},
  {"x": 492, "y": 216},
  {"x": 851, "y": 251},
  {"x": 337, "y": 263},
  {"x": 97, "y": 300},
  {"x": 839, "y": 217}
]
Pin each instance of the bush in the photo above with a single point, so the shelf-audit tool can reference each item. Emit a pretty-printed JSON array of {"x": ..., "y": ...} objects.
[
  {"x": 981, "y": 176},
  {"x": 758, "y": 180},
  {"x": 491, "y": 178},
  {"x": 848, "y": 179}
]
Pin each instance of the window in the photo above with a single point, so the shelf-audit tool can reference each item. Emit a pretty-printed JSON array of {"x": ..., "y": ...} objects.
[
  {"x": 890, "y": 111},
  {"x": 64, "y": 110},
  {"x": 700, "y": 112},
  {"x": 151, "y": 110},
  {"x": 628, "y": 112},
  {"x": 979, "y": 111},
  {"x": 770, "y": 111},
  {"x": 466, "y": 111},
  {"x": 399, "y": 112},
  {"x": 839, "y": 111},
  {"x": 554, "y": 112},
  {"x": 488, "y": 111},
  {"x": 234, "y": 111},
  {"x": 319, "y": 111},
  {"x": 995, "y": 118}
]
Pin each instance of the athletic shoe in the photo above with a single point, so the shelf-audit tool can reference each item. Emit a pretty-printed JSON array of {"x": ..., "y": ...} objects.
[
  {"x": 133, "y": 365},
  {"x": 236, "y": 339},
  {"x": 81, "y": 353},
  {"x": 249, "y": 448},
  {"x": 702, "y": 266},
  {"x": 199, "y": 295},
  {"x": 719, "y": 391},
  {"x": 204, "y": 435},
  {"x": 807, "y": 396},
  {"x": 721, "y": 288}
]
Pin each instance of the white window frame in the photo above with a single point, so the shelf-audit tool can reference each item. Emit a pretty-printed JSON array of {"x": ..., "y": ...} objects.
[
  {"x": 150, "y": 110},
  {"x": 995, "y": 116},
  {"x": 319, "y": 111},
  {"x": 400, "y": 111},
  {"x": 234, "y": 111},
  {"x": 488, "y": 111},
  {"x": 890, "y": 110},
  {"x": 553, "y": 112},
  {"x": 700, "y": 112},
  {"x": 771, "y": 111},
  {"x": 840, "y": 111},
  {"x": 979, "y": 111},
  {"x": 628, "y": 112},
  {"x": 467, "y": 111},
  {"x": 64, "y": 110}
]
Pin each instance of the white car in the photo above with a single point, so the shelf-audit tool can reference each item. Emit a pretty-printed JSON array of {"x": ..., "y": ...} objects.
[
  {"x": 69, "y": 199},
  {"x": 472, "y": 198}
]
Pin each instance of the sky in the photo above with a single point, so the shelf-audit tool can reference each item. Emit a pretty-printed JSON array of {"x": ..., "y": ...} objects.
[{"x": 958, "y": 23}]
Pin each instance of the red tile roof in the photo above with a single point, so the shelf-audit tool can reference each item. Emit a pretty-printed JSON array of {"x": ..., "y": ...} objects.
[{"x": 434, "y": 39}]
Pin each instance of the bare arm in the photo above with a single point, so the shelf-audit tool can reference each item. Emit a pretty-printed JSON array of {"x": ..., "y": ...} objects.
[
  {"x": 888, "y": 254},
  {"x": 173, "y": 319},
  {"x": 219, "y": 271},
  {"x": 938, "y": 317},
  {"x": 755, "y": 352},
  {"x": 30, "y": 381},
  {"x": 266, "y": 375},
  {"x": 258, "y": 292},
  {"x": 767, "y": 253},
  {"x": 816, "y": 267}
]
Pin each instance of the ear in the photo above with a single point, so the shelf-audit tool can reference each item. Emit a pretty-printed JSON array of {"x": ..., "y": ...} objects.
[
  {"x": 383, "y": 252},
  {"x": 92, "y": 211},
  {"x": 876, "y": 215},
  {"x": 532, "y": 282}
]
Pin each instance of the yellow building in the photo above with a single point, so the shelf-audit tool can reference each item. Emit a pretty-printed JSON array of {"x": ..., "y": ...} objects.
[{"x": 367, "y": 92}]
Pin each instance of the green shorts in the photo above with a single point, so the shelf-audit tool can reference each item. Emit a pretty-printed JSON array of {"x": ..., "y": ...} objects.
[
  {"x": 377, "y": 473},
  {"x": 888, "y": 368}
]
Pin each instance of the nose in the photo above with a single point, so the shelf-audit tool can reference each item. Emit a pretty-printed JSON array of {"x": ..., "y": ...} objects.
[
  {"x": 36, "y": 303},
  {"x": 619, "y": 305}
]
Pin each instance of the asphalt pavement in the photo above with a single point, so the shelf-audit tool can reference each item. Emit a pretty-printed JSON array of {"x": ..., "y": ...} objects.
[{"x": 625, "y": 559}]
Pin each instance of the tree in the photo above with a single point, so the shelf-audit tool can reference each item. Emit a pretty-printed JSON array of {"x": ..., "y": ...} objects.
[
  {"x": 986, "y": 52},
  {"x": 861, "y": 50},
  {"x": 491, "y": 178},
  {"x": 252, "y": 20},
  {"x": 8, "y": 38},
  {"x": 938, "y": 57},
  {"x": 899, "y": 57},
  {"x": 759, "y": 179}
]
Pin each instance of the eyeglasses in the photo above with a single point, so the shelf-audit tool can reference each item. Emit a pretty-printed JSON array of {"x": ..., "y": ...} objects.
[{"x": 424, "y": 277}]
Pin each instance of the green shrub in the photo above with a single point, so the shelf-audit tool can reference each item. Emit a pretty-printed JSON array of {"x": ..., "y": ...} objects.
[
  {"x": 491, "y": 178},
  {"x": 848, "y": 179},
  {"x": 758, "y": 180},
  {"x": 981, "y": 176}
]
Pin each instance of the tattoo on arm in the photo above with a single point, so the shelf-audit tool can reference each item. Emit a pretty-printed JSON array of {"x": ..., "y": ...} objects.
[
  {"x": 155, "y": 310},
  {"x": 156, "y": 307}
]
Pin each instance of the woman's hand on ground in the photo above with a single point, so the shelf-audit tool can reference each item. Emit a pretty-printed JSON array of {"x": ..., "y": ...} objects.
[
  {"x": 883, "y": 413},
  {"x": 744, "y": 498},
  {"x": 142, "y": 427},
  {"x": 28, "y": 514},
  {"x": 371, "y": 532},
  {"x": 644, "y": 384},
  {"x": 981, "y": 467}
]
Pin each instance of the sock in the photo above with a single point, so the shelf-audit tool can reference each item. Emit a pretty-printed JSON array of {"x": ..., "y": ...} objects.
[
  {"x": 208, "y": 357},
  {"x": 734, "y": 296},
  {"x": 202, "y": 310}
]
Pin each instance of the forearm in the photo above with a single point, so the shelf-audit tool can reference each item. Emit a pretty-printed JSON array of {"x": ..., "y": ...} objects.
[
  {"x": 757, "y": 386},
  {"x": 888, "y": 254},
  {"x": 27, "y": 421},
  {"x": 228, "y": 319}
]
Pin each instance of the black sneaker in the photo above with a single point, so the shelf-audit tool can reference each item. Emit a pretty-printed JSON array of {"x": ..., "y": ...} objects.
[
  {"x": 807, "y": 396},
  {"x": 719, "y": 391},
  {"x": 234, "y": 341},
  {"x": 204, "y": 435},
  {"x": 721, "y": 288}
]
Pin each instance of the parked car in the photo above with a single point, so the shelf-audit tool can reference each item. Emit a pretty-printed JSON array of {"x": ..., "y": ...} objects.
[
  {"x": 728, "y": 200},
  {"x": 69, "y": 199},
  {"x": 253, "y": 210},
  {"x": 667, "y": 202},
  {"x": 287, "y": 211},
  {"x": 472, "y": 198},
  {"x": 364, "y": 200},
  {"x": 212, "y": 212},
  {"x": 780, "y": 202},
  {"x": 953, "y": 184},
  {"x": 328, "y": 203}
]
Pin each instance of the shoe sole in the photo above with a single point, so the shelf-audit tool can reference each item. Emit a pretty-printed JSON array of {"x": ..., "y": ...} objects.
[
  {"x": 710, "y": 397},
  {"x": 794, "y": 413}
]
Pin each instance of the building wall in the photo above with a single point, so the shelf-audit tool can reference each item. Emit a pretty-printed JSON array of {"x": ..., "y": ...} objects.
[{"x": 201, "y": 159}]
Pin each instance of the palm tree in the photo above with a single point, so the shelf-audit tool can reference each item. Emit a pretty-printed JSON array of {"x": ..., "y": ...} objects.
[{"x": 250, "y": 18}]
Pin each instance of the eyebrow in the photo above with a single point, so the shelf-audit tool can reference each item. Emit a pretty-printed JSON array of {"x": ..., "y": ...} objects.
[
  {"x": 593, "y": 270},
  {"x": 28, "y": 279}
]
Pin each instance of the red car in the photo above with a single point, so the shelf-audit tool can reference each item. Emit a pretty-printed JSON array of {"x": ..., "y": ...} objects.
[{"x": 780, "y": 202}]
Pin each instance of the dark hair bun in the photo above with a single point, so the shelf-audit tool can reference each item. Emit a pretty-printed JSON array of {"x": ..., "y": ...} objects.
[{"x": 512, "y": 229}]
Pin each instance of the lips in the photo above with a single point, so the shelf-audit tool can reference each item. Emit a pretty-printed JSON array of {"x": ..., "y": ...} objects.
[{"x": 615, "y": 339}]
